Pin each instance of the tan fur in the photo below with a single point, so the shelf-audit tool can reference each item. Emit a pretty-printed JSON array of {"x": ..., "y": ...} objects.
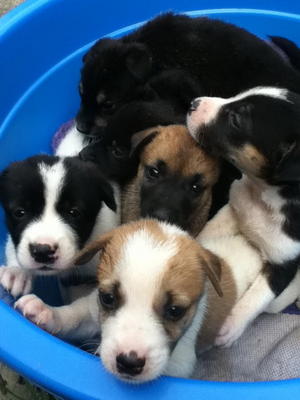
[
  {"x": 250, "y": 160},
  {"x": 183, "y": 156},
  {"x": 218, "y": 308}
]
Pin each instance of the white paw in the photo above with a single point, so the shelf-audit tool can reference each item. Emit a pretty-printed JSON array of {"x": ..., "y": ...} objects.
[
  {"x": 230, "y": 331},
  {"x": 15, "y": 280},
  {"x": 34, "y": 309}
]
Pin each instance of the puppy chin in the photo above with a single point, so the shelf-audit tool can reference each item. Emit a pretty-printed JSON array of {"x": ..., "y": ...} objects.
[{"x": 28, "y": 263}]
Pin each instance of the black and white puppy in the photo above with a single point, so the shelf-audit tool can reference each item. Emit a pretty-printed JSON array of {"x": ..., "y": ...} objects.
[
  {"x": 258, "y": 132},
  {"x": 142, "y": 80},
  {"x": 53, "y": 206}
]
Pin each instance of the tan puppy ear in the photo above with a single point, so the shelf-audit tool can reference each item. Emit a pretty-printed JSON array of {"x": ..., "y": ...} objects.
[
  {"x": 88, "y": 252},
  {"x": 140, "y": 139},
  {"x": 213, "y": 269}
]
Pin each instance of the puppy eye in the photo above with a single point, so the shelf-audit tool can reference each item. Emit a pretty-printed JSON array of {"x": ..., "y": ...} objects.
[
  {"x": 119, "y": 152},
  {"x": 152, "y": 172},
  {"x": 74, "y": 212},
  {"x": 196, "y": 188},
  {"x": 235, "y": 120},
  {"x": 19, "y": 213},
  {"x": 108, "y": 300},
  {"x": 174, "y": 313}
]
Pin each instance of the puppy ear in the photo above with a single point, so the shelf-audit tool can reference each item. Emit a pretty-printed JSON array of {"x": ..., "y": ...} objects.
[
  {"x": 94, "y": 51},
  {"x": 108, "y": 195},
  {"x": 141, "y": 139},
  {"x": 88, "y": 252},
  {"x": 287, "y": 169},
  {"x": 212, "y": 268},
  {"x": 138, "y": 61}
]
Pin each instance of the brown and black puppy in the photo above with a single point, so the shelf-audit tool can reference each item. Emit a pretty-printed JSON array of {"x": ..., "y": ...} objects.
[{"x": 174, "y": 180}]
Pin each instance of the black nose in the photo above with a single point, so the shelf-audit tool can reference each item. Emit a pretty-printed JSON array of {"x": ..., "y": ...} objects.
[
  {"x": 43, "y": 253},
  {"x": 162, "y": 214},
  {"x": 83, "y": 126},
  {"x": 130, "y": 363},
  {"x": 194, "y": 104}
]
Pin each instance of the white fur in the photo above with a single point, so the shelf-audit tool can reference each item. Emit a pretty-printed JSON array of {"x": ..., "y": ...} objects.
[
  {"x": 254, "y": 301},
  {"x": 258, "y": 209},
  {"x": 71, "y": 144}
]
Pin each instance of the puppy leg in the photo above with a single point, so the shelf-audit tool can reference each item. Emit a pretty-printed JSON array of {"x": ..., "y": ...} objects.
[
  {"x": 77, "y": 320},
  {"x": 223, "y": 223},
  {"x": 15, "y": 280},
  {"x": 254, "y": 301}
]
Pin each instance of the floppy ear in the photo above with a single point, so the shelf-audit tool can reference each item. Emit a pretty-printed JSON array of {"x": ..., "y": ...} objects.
[
  {"x": 138, "y": 61},
  {"x": 141, "y": 139},
  {"x": 213, "y": 269},
  {"x": 287, "y": 169},
  {"x": 88, "y": 252},
  {"x": 108, "y": 194}
]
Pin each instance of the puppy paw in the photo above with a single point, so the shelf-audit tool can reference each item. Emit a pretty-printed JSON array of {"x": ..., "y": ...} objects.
[
  {"x": 15, "y": 280},
  {"x": 230, "y": 331},
  {"x": 34, "y": 309}
]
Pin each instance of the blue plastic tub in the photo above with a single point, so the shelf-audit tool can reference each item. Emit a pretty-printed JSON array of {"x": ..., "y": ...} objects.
[{"x": 41, "y": 45}]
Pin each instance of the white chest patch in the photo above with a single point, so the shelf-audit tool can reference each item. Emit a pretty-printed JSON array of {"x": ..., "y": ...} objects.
[{"x": 258, "y": 209}]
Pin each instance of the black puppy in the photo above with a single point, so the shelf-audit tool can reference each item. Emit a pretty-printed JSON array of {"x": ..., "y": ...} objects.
[
  {"x": 258, "y": 132},
  {"x": 148, "y": 77}
]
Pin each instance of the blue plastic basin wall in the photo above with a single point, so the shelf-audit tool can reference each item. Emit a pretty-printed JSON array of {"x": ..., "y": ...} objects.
[{"x": 41, "y": 46}]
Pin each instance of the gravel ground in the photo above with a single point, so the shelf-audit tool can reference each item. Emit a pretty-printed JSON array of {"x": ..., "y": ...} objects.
[{"x": 6, "y": 5}]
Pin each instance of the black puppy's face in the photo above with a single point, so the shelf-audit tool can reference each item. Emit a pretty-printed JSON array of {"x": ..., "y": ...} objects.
[
  {"x": 51, "y": 206},
  {"x": 257, "y": 131},
  {"x": 112, "y": 76}
]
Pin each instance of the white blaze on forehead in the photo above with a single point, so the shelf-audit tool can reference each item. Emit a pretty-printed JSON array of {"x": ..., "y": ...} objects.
[
  {"x": 268, "y": 91},
  {"x": 142, "y": 264},
  {"x": 53, "y": 178}
]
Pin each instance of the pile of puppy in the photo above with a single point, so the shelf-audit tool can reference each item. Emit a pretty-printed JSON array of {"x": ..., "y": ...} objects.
[{"x": 167, "y": 238}]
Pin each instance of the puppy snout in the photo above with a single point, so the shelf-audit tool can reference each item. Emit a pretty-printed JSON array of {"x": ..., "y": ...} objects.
[
  {"x": 194, "y": 104},
  {"x": 162, "y": 214},
  {"x": 43, "y": 253},
  {"x": 130, "y": 364},
  {"x": 83, "y": 126}
]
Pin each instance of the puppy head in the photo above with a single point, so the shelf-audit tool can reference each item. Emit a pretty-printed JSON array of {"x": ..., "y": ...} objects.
[
  {"x": 257, "y": 131},
  {"x": 112, "y": 75},
  {"x": 51, "y": 207},
  {"x": 175, "y": 177},
  {"x": 151, "y": 278}
]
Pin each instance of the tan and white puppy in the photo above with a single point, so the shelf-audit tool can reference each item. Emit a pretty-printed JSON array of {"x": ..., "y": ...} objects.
[
  {"x": 174, "y": 179},
  {"x": 158, "y": 300}
]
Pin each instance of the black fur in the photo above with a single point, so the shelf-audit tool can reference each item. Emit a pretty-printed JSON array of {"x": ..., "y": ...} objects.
[
  {"x": 169, "y": 197},
  {"x": 281, "y": 275},
  {"x": 150, "y": 76},
  {"x": 84, "y": 189}
]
